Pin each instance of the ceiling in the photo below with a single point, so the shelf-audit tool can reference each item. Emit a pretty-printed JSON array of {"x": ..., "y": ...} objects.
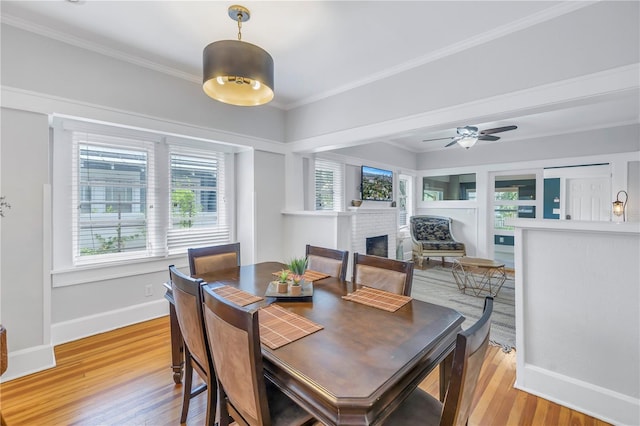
[{"x": 320, "y": 48}]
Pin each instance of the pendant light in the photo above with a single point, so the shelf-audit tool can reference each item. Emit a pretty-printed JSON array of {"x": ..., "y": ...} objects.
[{"x": 236, "y": 72}]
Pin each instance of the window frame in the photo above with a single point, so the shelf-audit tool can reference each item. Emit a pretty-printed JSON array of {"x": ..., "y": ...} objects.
[{"x": 66, "y": 269}]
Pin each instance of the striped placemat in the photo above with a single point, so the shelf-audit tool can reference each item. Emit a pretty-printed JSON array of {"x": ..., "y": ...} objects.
[
  {"x": 239, "y": 297},
  {"x": 309, "y": 275},
  {"x": 378, "y": 298},
  {"x": 279, "y": 326}
]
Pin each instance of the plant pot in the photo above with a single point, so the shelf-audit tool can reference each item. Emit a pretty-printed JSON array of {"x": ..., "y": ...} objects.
[
  {"x": 296, "y": 290},
  {"x": 283, "y": 287}
]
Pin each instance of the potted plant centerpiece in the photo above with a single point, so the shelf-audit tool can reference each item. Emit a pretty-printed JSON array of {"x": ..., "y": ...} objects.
[
  {"x": 297, "y": 266},
  {"x": 283, "y": 281}
]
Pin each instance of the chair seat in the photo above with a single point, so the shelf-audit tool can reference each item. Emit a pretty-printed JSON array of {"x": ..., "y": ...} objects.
[
  {"x": 285, "y": 412},
  {"x": 419, "y": 408},
  {"x": 441, "y": 245}
]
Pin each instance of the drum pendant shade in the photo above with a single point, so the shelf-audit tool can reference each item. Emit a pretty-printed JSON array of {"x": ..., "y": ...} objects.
[{"x": 236, "y": 72}]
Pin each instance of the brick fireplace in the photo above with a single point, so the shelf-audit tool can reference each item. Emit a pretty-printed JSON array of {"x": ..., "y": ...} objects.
[{"x": 371, "y": 223}]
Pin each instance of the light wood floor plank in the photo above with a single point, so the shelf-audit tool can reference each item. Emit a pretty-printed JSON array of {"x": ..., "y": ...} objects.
[{"x": 123, "y": 377}]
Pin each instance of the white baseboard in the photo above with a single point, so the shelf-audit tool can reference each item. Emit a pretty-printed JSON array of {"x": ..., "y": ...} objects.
[
  {"x": 78, "y": 328},
  {"x": 28, "y": 361},
  {"x": 604, "y": 404}
]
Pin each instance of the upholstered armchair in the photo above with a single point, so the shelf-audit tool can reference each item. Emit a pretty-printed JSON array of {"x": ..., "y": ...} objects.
[{"x": 431, "y": 237}]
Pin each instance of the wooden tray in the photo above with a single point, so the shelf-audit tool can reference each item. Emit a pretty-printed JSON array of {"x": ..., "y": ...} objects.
[{"x": 307, "y": 292}]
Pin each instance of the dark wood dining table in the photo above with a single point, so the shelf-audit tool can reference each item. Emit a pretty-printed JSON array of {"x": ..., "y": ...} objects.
[{"x": 365, "y": 360}]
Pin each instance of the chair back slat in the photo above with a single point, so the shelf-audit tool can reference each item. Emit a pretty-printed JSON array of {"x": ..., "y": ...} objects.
[
  {"x": 394, "y": 276},
  {"x": 329, "y": 261},
  {"x": 214, "y": 258},
  {"x": 188, "y": 302},
  {"x": 468, "y": 357},
  {"x": 238, "y": 363}
]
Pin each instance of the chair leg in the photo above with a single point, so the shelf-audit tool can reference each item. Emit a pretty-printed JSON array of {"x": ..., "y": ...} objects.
[
  {"x": 442, "y": 260},
  {"x": 212, "y": 399},
  {"x": 186, "y": 391}
]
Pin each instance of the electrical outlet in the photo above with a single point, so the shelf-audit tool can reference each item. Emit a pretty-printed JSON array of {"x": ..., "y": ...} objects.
[{"x": 148, "y": 290}]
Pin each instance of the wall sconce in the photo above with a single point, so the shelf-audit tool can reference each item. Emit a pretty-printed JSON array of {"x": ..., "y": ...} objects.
[{"x": 619, "y": 207}]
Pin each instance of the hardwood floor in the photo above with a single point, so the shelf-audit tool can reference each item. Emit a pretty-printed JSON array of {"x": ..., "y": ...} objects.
[{"x": 123, "y": 378}]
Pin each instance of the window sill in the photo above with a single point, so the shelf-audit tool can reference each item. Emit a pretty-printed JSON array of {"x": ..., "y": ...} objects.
[{"x": 113, "y": 270}]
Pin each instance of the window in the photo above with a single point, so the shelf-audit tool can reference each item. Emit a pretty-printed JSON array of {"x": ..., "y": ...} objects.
[
  {"x": 405, "y": 200},
  {"x": 111, "y": 187},
  {"x": 329, "y": 185},
  {"x": 134, "y": 194},
  {"x": 197, "y": 182}
]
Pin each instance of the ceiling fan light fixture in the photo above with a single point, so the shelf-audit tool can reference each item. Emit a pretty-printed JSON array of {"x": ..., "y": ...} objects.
[
  {"x": 236, "y": 72},
  {"x": 467, "y": 141}
]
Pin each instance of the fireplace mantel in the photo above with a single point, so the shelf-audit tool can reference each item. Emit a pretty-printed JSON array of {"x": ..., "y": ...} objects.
[{"x": 347, "y": 230}]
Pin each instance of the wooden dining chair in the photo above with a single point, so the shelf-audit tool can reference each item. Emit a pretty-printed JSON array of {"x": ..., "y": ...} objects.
[
  {"x": 187, "y": 294},
  {"x": 213, "y": 258},
  {"x": 244, "y": 394},
  {"x": 328, "y": 261},
  {"x": 394, "y": 276},
  {"x": 420, "y": 408}
]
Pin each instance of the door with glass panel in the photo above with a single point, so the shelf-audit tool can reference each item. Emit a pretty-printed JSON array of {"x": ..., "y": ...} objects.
[{"x": 514, "y": 196}]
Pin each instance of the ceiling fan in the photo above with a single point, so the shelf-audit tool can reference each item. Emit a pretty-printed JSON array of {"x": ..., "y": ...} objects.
[{"x": 468, "y": 135}]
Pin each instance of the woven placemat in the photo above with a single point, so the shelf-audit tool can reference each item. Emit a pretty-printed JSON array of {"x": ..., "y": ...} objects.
[
  {"x": 378, "y": 298},
  {"x": 309, "y": 275},
  {"x": 279, "y": 326},
  {"x": 239, "y": 297}
]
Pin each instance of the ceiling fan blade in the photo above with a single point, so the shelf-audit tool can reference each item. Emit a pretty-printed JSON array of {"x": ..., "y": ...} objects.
[
  {"x": 488, "y": 138},
  {"x": 497, "y": 130},
  {"x": 437, "y": 139},
  {"x": 453, "y": 142}
]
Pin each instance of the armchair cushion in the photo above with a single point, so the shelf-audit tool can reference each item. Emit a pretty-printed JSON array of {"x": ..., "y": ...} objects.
[{"x": 431, "y": 236}]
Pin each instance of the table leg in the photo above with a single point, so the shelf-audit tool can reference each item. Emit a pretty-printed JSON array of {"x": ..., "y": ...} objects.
[
  {"x": 445, "y": 375},
  {"x": 177, "y": 346}
]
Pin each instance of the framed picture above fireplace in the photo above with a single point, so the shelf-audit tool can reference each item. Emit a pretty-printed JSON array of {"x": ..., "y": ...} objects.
[{"x": 376, "y": 184}]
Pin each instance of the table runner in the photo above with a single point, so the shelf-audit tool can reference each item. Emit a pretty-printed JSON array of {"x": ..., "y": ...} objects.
[
  {"x": 378, "y": 298},
  {"x": 279, "y": 326},
  {"x": 309, "y": 275},
  {"x": 239, "y": 297}
]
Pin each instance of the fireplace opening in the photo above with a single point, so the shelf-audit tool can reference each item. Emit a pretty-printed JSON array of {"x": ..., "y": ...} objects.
[{"x": 378, "y": 246}]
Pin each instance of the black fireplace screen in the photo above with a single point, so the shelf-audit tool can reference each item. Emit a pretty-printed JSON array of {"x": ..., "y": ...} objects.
[{"x": 378, "y": 246}]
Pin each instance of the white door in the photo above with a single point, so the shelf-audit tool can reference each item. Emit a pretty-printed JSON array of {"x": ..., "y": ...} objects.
[{"x": 588, "y": 198}]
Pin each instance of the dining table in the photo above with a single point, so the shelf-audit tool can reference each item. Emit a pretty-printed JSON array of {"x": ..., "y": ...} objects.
[{"x": 361, "y": 364}]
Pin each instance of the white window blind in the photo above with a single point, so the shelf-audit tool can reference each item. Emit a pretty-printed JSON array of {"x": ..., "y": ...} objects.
[
  {"x": 329, "y": 185},
  {"x": 110, "y": 197},
  {"x": 197, "y": 202}
]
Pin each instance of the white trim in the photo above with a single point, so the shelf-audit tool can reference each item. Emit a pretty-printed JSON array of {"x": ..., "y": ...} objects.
[
  {"x": 29, "y": 361},
  {"x": 46, "y": 262},
  {"x": 580, "y": 396},
  {"x": 43, "y": 103},
  {"x": 79, "y": 328},
  {"x": 574, "y": 91},
  {"x": 109, "y": 271}
]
